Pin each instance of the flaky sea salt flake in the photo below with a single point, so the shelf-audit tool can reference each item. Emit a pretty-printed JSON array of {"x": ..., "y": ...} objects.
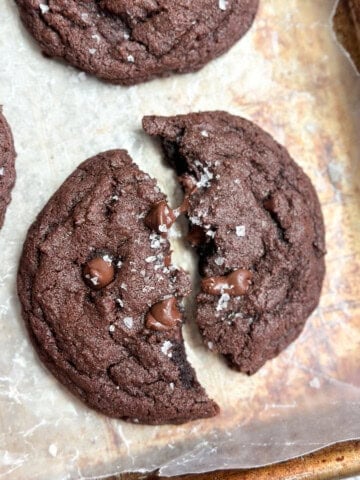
[
  {"x": 120, "y": 302},
  {"x": 53, "y": 450},
  {"x": 44, "y": 8},
  {"x": 223, "y": 4},
  {"x": 223, "y": 302},
  {"x": 166, "y": 347},
  {"x": 128, "y": 322},
  {"x": 219, "y": 261},
  {"x": 241, "y": 230}
]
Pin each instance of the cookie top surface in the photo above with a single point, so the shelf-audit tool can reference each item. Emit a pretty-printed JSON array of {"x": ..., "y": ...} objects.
[
  {"x": 257, "y": 224},
  {"x": 128, "y": 42},
  {"x": 7, "y": 166},
  {"x": 101, "y": 300}
]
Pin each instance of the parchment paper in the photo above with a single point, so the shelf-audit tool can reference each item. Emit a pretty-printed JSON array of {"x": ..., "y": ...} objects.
[{"x": 289, "y": 75}]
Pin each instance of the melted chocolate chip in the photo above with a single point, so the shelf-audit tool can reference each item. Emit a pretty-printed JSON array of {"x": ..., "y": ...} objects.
[
  {"x": 167, "y": 260},
  {"x": 160, "y": 218},
  {"x": 188, "y": 183},
  {"x": 236, "y": 283},
  {"x": 98, "y": 273},
  {"x": 269, "y": 204},
  {"x": 196, "y": 236},
  {"x": 163, "y": 315}
]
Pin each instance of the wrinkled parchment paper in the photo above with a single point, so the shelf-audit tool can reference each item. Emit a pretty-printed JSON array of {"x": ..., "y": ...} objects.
[{"x": 289, "y": 75}]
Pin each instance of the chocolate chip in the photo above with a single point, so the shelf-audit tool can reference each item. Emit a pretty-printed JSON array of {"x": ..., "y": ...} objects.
[
  {"x": 160, "y": 218},
  {"x": 163, "y": 315},
  {"x": 167, "y": 260},
  {"x": 188, "y": 183},
  {"x": 196, "y": 236},
  {"x": 269, "y": 204},
  {"x": 236, "y": 283},
  {"x": 99, "y": 272}
]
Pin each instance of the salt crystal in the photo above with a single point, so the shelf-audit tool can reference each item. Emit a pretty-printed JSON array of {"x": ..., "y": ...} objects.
[
  {"x": 219, "y": 261},
  {"x": 205, "y": 178},
  {"x": 130, "y": 59},
  {"x": 44, "y": 8},
  {"x": 166, "y": 347},
  {"x": 123, "y": 286},
  {"x": 120, "y": 302},
  {"x": 1, "y": 171},
  {"x": 172, "y": 385},
  {"x": 204, "y": 133},
  {"x": 210, "y": 345},
  {"x": 163, "y": 228},
  {"x": 53, "y": 450},
  {"x": 315, "y": 383},
  {"x": 92, "y": 51},
  {"x": 107, "y": 258},
  {"x": 128, "y": 321},
  {"x": 155, "y": 241},
  {"x": 223, "y": 302},
  {"x": 112, "y": 328},
  {"x": 150, "y": 259},
  {"x": 93, "y": 280},
  {"x": 223, "y": 4},
  {"x": 211, "y": 233},
  {"x": 241, "y": 230},
  {"x": 195, "y": 220}
]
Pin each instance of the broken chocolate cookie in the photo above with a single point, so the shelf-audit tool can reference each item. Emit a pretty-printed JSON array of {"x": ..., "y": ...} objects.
[{"x": 257, "y": 225}]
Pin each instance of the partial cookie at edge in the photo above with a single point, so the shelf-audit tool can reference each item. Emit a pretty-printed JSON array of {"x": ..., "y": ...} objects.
[
  {"x": 7, "y": 166},
  {"x": 128, "y": 42}
]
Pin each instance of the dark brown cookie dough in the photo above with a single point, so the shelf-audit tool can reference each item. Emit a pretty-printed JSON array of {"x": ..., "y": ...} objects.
[
  {"x": 256, "y": 221},
  {"x": 102, "y": 301},
  {"x": 7, "y": 166},
  {"x": 128, "y": 42}
]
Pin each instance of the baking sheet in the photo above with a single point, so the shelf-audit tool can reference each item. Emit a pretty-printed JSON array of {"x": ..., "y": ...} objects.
[{"x": 290, "y": 76}]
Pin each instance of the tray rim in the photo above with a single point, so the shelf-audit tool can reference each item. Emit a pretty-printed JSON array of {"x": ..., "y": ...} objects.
[{"x": 341, "y": 460}]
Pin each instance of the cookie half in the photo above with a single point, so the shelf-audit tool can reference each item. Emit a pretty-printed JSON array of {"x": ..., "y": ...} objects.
[
  {"x": 7, "y": 166},
  {"x": 131, "y": 41},
  {"x": 256, "y": 222},
  {"x": 102, "y": 301}
]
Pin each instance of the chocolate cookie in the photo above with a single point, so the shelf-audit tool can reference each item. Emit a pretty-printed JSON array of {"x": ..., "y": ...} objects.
[
  {"x": 256, "y": 222},
  {"x": 102, "y": 301},
  {"x": 131, "y": 41},
  {"x": 7, "y": 166}
]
